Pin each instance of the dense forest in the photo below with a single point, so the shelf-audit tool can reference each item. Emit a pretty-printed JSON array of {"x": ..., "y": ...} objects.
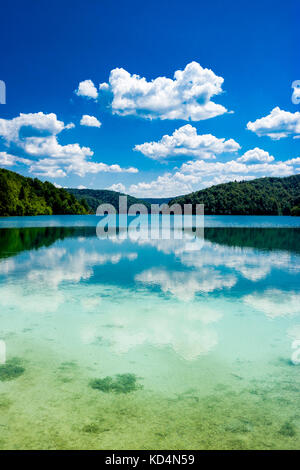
[
  {"x": 95, "y": 197},
  {"x": 157, "y": 200},
  {"x": 263, "y": 196},
  {"x": 28, "y": 196}
]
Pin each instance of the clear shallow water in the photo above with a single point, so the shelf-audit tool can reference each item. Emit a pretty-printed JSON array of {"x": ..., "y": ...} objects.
[{"x": 206, "y": 335}]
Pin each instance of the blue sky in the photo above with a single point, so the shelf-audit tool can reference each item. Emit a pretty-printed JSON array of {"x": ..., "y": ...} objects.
[{"x": 234, "y": 65}]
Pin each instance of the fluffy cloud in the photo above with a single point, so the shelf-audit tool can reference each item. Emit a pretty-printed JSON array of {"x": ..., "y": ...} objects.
[
  {"x": 49, "y": 147},
  {"x": 46, "y": 124},
  {"x": 90, "y": 121},
  {"x": 47, "y": 168},
  {"x": 167, "y": 185},
  {"x": 293, "y": 161},
  {"x": 87, "y": 89},
  {"x": 74, "y": 164},
  {"x": 186, "y": 141},
  {"x": 179, "y": 183},
  {"x": 199, "y": 174},
  {"x": 50, "y": 158},
  {"x": 83, "y": 167},
  {"x": 187, "y": 96},
  {"x": 119, "y": 187},
  {"x": 234, "y": 167},
  {"x": 7, "y": 159},
  {"x": 277, "y": 124},
  {"x": 256, "y": 155}
]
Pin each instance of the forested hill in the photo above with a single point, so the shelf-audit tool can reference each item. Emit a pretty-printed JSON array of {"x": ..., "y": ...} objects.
[
  {"x": 27, "y": 196},
  {"x": 95, "y": 197},
  {"x": 263, "y": 196}
]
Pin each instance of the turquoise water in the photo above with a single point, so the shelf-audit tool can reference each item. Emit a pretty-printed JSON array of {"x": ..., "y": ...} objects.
[
  {"x": 201, "y": 348},
  {"x": 92, "y": 221}
]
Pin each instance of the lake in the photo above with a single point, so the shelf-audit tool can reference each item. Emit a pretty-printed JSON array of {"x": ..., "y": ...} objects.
[{"x": 144, "y": 344}]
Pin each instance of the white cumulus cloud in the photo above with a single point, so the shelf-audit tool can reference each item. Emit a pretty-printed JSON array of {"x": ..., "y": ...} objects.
[
  {"x": 186, "y": 141},
  {"x": 199, "y": 174},
  {"x": 256, "y": 155},
  {"x": 119, "y": 187},
  {"x": 82, "y": 167},
  {"x": 87, "y": 89},
  {"x": 48, "y": 157},
  {"x": 90, "y": 121},
  {"x": 6, "y": 159},
  {"x": 46, "y": 124},
  {"x": 293, "y": 161},
  {"x": 49, "y": 147},
  {"x": 277, "y": 124},
  {"x": 187, "y": 96},
  {"x": 234, "y": 167},
  {"x": 166, "y": 185}
]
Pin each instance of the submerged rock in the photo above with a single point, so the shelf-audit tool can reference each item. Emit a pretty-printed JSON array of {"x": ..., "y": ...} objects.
[
  {"x": 288, "y": 429},
  {"x": 11, "y": 370},
  {"x": 121, "y": 383},
  {"x": 91, "y": 428}
]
